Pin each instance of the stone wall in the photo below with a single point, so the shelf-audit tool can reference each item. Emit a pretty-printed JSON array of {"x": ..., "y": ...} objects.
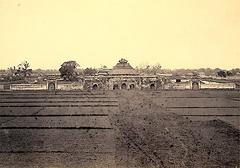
[
  {"x": 177, "y": 86},
  {"x": 215, "y": 85},
  {"x": 28, "y": 87},
  {"x": 109, "y": 84},
  {"x": 69, "y": 86}
]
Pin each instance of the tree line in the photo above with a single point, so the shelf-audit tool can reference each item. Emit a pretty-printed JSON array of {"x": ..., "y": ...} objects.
[{"x": 70, "y": 71}]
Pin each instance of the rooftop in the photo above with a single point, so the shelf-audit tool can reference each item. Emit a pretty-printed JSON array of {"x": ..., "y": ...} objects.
[{"x": 123, "y": 68}]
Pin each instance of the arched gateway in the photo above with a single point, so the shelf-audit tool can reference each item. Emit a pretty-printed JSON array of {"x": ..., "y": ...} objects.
[
  {"x": 115, "y": 87},
  {"x": 152, "y": 86},
  {"x": 132, "y": 86},
  {"x": 51, "y": 86},
  {"x": 124, "y": 86},
  {"x": 95, "y": 87},
  {"x": 195, "y": 85}
]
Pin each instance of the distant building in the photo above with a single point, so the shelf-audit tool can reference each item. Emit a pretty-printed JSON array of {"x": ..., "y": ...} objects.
[
  {"x": 103, "y": 72},
  {"x": 121, "y": 76},
  {"x": 123, "y": 68}
]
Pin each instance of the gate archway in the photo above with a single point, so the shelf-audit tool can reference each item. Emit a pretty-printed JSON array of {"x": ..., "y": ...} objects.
[
  {"x": 195, "y": 85},
  {"x": 132, "y": 86},
  {"x": 124, "y": 86},
  {"x": 95, "y": 87},
  {"x": 115, "y": 87},
  {"x": 51, "y": 86},
  {"x": 152, "y": 86}
]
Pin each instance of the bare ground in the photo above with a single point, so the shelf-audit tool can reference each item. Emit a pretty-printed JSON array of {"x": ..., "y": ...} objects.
[
  {"x": 120, "y": 129},
  {"x": 150, "y": 136}
]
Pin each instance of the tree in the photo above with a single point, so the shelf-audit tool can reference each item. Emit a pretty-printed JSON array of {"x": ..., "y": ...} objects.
[
  {"x": 235, "y": 71},
  {"x": 149, "y": 69},
  {"x": 222, "y": 73},
  {"x": 156, "y": 68},
  {"x": 103, "y": 66},
  {"x": 89, "y": 72},
  {"x": 68, "y": 70},
  {"x": 23, "y": 69},
  {"x": 19, "y": 73},
  {"x": 229, "y": 73}
]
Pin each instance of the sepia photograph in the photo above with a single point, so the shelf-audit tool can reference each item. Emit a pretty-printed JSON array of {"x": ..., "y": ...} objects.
[{"x": 120, "y": 84}]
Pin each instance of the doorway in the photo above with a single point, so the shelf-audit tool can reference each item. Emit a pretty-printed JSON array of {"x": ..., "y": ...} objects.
[
  {"x": 95, "y": 87},
  {"x": 195, "y": 86},
  {"x": 152, "y": 86},
  {"x": 132, "y": 86},
  {"x": 115, "y": 87},
  {"x": 124, "y": 86},
  {"x": 51, "y": 86}
]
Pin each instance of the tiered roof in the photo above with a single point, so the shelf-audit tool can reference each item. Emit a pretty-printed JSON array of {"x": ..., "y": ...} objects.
[{"x": 123, "y": 68}]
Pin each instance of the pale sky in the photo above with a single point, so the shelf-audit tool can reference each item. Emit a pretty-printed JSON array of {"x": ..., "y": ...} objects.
[{"x": 174, "y": 33}]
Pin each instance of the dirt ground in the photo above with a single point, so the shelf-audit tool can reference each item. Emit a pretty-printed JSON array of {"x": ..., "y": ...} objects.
[
  {"x": 168, "y": 129},
  {"x": 149, "y": 135}
]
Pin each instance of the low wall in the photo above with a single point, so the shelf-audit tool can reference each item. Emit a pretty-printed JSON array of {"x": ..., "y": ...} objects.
[
  {"x": 69, "y": 86},
  {"x": 177, "y": 86},
  {"x": 28, "y": 87},
  {"x": 203, "y": 85},
  {"x": 79, "y": 86},
  {"x": 61, "y": 86},
  {"x": 215, "y": 85}
]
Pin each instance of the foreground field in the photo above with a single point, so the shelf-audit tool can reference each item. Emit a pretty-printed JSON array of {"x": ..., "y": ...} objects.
[
  {"x": 120, "y": 129},
  {"x": 163, "y": 129}
]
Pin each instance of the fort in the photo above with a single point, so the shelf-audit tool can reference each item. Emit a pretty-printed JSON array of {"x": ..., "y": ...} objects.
[
  {"x": 119, "y": 118},
  {"x": 123, "y": 77}
]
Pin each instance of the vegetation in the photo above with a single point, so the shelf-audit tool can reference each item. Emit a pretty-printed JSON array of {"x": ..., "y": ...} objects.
[
  {"x": 223, "y": 73},
  {"x": 68, "y": 70},
  {"x": 20, "y": 72},
  {"x": 149, "y": 69},
  {"x": 89, "y": 72}
]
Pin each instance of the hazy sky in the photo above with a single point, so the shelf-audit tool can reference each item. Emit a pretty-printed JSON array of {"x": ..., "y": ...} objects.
[{"x": 174, "y": 33}]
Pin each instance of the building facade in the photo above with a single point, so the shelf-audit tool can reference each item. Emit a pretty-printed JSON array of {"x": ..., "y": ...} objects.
[{"x": 122, "y": 77}]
